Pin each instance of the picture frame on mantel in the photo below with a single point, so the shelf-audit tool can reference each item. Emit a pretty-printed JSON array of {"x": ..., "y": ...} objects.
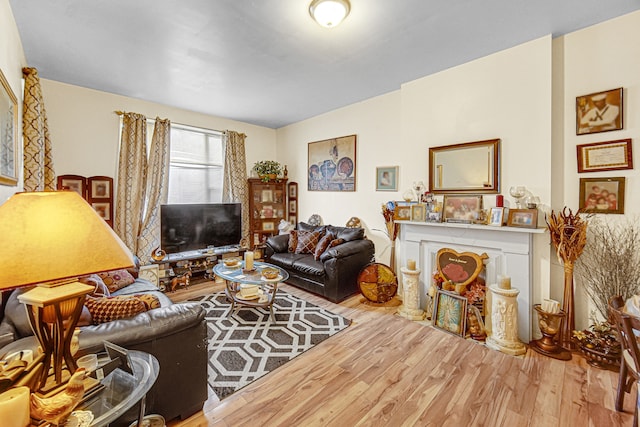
[{"x": 8, "y": 134}]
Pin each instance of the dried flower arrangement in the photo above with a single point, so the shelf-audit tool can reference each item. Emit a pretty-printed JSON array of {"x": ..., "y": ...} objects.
[
  {"x": 568, "y": 232},
  {"x": 392, "y": 229},
  {"x": 610, "y": 264},
  {"x": 267, "y": 169},
  {"x": 599, "y": 344}
]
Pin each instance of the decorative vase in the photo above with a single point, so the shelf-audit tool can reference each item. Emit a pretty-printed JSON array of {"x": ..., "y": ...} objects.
[{"x": 549, "y": 324}]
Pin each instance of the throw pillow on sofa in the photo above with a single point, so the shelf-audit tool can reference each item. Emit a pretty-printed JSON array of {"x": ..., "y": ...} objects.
[
  {"x": 107, "y": 309},
  {"x": 116, "y": 279},
  {"x": 323, "y": 244},
  {"x": 307, "y": 242}
]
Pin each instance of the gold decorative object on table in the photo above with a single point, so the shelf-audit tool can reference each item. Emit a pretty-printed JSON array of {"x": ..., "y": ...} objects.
[
  {"x": 568, "y": 232},
  {"x": 57, "y": 408}
]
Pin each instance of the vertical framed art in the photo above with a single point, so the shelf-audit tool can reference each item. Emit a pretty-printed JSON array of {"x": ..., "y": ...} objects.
[
  {"x": 8, "y": 134},
  {"x": 387, "y": 178},
  {"x": 450, "y": 312}
]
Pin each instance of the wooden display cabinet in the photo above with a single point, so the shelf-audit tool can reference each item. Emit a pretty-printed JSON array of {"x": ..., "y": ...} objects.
[{"x": 267, "y": 207}]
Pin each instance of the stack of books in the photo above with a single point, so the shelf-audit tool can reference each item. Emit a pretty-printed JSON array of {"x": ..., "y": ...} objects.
[{"x": 249, "y": 291}]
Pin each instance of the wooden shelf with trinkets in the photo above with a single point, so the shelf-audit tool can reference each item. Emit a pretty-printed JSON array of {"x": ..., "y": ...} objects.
[{"x": 267, "y": 207}]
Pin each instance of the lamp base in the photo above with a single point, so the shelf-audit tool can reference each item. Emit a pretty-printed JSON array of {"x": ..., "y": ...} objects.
[{"x": 53, "y": 314}]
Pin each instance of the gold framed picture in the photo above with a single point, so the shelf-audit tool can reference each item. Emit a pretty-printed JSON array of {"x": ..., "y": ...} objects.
[
  {"x": 605, "y": 156},
  {"x": 602, "y": 195},
  {"x": 599, "y": 112},
  {"x": 524, "y": 218}
]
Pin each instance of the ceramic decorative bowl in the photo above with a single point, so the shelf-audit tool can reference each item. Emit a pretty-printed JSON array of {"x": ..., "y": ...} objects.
[
  {"x": 270, "y": 273},
  {"x": 231, "y": 262}
]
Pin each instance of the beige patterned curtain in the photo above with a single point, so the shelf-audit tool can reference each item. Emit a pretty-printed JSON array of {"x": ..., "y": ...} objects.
[
  {"x": 132, "y": 168},
  {"x": 38, "y": 161},
  {"x": 156, "y": 189},
  {"x": 235, "y": 188}
]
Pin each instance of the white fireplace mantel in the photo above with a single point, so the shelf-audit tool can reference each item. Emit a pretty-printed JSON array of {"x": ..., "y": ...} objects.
[{"x": 510, "y": 252}]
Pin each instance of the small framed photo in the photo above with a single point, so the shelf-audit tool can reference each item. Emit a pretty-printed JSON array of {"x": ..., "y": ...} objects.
[
  {"x": 387, "y": 178},
  {"x": 418, "y": 212},
  {"x": 462, "y": 208},
  {"x": 496, "y": 217},
  {"x": 293, "y": 190},
  {"x": 602, "y": 195},
  {"x": 525, "y": 218},
  {"x": 268, "y": 226},
  {"x": 293, "y": 206},
  {"x": 402, "y": 212},
  {"x": 100, "y": 189},
  {"x": 450, "y": 312},
  {"x": 433, "y": 216},
  {"x": 605, "y": 156},
  {"x": 266, "y": 196},
  {"x": 75, "y": 183},
  {"x": 293, "y": 220},
  {"x": 599, "y": 112},
  {"x": 267, "y": 211},
  {"x": 103, "y": 209}
]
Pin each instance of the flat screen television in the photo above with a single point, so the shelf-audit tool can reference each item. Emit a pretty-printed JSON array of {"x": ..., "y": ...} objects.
[{"x": 188, "y": 227}]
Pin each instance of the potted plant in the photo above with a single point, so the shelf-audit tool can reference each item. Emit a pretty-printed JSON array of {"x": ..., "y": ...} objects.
[
  {"x": 609, "y": 266},
  {"x": 267, "y": 169}
]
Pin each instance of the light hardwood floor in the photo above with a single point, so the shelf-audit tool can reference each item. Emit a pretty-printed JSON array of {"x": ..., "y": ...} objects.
[{"x": 384, "y": 370}]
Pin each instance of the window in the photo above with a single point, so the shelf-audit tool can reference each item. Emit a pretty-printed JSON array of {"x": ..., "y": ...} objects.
[{"x": 196, "y": 165}]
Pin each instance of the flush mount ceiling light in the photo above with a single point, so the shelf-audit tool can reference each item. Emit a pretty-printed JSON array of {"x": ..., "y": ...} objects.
[{"x": 329, "y": 13}]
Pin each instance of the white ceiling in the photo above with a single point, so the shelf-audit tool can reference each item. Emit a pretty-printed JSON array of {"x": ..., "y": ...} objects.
[{"x": 267, "y": 62}]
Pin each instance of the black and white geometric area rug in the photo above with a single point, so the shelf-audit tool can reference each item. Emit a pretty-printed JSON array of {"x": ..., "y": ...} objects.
[{"x": 246, "y": 345}]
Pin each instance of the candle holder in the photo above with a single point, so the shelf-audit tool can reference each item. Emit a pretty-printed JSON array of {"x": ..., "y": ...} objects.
[{"x": 549, "y": 324}]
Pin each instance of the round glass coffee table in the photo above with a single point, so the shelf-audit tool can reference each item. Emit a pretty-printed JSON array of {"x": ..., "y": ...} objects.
[
  {"x": 236, "y": 277},
  {"x": 122, "y": 390}
]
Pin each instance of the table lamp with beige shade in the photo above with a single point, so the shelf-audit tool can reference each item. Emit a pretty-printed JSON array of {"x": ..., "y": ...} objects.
[{"x": 50, "y": 239}]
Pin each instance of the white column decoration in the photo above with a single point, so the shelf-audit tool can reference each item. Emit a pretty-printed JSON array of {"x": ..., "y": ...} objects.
[
  {"x": 504, "y": 320},
  {"x": 410, "y": 308}
]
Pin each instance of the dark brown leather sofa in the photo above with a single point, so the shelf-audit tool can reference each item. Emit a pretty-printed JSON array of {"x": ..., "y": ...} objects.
[
  {"x": 175, "y": 334},
  {"x": 334, "y": 276}
]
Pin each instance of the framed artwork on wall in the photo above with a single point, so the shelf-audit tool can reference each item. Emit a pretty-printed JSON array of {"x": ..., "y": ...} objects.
[
  {"x": 103, "y": 209},
  {"x": 332, "y": 164},
  {"x": 8, "y": 134},
  {"x": 602, "y": 195},
  {"x": 599, "y": 112},
  {"x": 387, "y": 178},
  {"x": 605, "y": 156}
]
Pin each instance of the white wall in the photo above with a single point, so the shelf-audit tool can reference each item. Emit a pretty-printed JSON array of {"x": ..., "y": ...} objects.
[
  {"x": 602, "y": 57},
  {"x": 85, "y": 130},
  {"x": 506, "y": 95},
  {"x": 379, "y": 142},
  {"x": 12, "y": 60}
]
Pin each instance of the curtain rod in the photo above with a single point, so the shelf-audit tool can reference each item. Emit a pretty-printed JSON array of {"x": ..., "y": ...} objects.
[{"x": 121, "y": 113}]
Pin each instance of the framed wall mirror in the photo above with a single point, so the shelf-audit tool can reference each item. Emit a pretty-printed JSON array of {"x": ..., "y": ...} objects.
[{"x": 470, "y": 167}]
